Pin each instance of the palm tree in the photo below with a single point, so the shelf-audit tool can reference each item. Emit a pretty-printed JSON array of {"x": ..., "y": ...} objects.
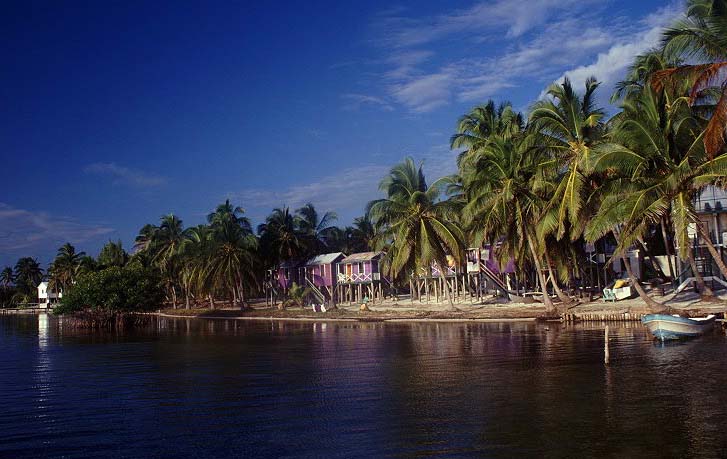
[
  {"x": 659, "y": 152},
  {"x": 113, "y": 254},
  {"x": 506, "y": 199},
  {"x": 280, "y": 237},
  {"x": 167, "y": 244},
  {"x": 231, "y": 260},
  {"x": 66, "y": 266},
  {"x": 363, "y": 234},
  {"x": 339, "y": 239},
  {"x": 475, "y": 128},
  {"x": 28, "y": 274},
  {"x": 226, "y": 211},
  {"x": 146, "y": 236},
  {"x": 640, "y": 73},
  {"x": 6, "y": 277},
  {"x": 418, "y": 225},
  {"x": 314, "y": 227},
  {"x": 701, "y": 37},
  {"x": 296, "y": 296},
  {"x": 569, "y": 126}
]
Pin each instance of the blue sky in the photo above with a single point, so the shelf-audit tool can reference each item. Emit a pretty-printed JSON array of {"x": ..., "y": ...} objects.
[{"x": 115, "y": 113}]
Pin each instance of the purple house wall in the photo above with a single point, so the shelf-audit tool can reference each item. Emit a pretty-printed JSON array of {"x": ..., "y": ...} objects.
[
  {"x": 288, "y": 274},
  {"x": 321, "y": 269},
  {"x": 487, "y": 254},
  {"x": 359, "y": 267}
]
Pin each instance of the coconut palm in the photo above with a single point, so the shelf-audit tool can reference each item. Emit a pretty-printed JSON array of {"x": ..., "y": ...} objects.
[
  {"x": 660, "y": 156},
  {"x": 313, "y": 227},
  {"x": 280, "y": 237},
  {"x": 475, "y": 128},
  {"x": 506, "y": 199},
  {"x": 167, "y": 245},
  {"x": 569, "y": 126},
  {"x": 113, "y": 254},
  {"x": 416, "y": 222},
  {"x": 195, "y": 252},
  {"x": 146, "y": 236},
  {"x": 226, "y": 211},
  {"x": 66, "y": 266},
  {"x": 297, "y": 296},
  {"x": 639, "y": 74},
  {"x": 6, "y": 277},
  {"x": 231, "y": 261},
  {"x": 701, "y": 37},
  {"x": 28, "y": 275},
  {"x": 363, "y": 234}
]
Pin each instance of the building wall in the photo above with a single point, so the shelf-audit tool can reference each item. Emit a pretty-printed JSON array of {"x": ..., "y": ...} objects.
[
  {"x": 321, "y": 275},
  {"x": 292, "y": 278}
]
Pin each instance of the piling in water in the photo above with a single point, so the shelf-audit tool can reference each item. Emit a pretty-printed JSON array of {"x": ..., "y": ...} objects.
[{"x": 606, "y": 355}]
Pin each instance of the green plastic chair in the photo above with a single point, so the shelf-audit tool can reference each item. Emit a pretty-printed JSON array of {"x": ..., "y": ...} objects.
[{"x": 608, "y": 295}]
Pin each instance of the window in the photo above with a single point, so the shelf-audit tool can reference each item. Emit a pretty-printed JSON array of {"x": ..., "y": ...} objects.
[{"x": 360, "y": 268}]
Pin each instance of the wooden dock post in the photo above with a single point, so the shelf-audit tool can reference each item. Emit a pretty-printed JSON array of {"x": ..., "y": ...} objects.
[{"x": 606, "y": 355}]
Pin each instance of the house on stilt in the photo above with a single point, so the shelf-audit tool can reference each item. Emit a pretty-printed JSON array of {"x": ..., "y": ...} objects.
[
  {"x": 485, "y": 274},
  {"x": 319, "y": 274},
  {"x": 439, "y": 282},
  {"x": 359, "y": 276}
]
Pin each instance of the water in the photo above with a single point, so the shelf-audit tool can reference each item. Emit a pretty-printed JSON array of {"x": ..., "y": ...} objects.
[{"x": 206, "y": 388}]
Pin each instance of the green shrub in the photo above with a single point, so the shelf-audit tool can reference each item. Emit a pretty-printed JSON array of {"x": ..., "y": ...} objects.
[{"x": 113, "y": 290}]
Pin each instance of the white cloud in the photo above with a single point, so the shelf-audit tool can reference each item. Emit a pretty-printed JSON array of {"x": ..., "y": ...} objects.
[
  {"x": 495, "y": 46},
  {"x": 126, "y": 176},
  {"x": 610, "y": 66},
  {"x": 424, "y": 93},
  {"x": 394, "y": 28},
  {"x": 345, "y": 191},
  {"x": 348, "y": 189},
  {"x": 24, "y": 229},
  {"x": 358, "y": 101}
]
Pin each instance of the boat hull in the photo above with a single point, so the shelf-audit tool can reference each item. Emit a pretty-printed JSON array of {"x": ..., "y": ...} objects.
[{"x": 665, "y": 327}]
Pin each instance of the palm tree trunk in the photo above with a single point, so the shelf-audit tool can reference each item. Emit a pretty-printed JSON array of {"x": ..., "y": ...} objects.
[
  {"x": 650, "y": 303},
  {"x": 549, "y": 306},
  {"x": 565, "y": 299},
  {"x": 212, "y": 302},
  {"x": 446, "y": 288},
  {"x": 668, "y": 250},
  {"x": 174, "y": 297},
  {"x": 241, "y": 292},
  {"x": 712, "y": 249},
  {"x": 704, "y": 290},
  {"x": 654, "y": 266}
]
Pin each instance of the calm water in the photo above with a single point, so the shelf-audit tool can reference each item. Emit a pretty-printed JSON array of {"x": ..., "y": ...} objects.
[{"x": 206, "y": 388}]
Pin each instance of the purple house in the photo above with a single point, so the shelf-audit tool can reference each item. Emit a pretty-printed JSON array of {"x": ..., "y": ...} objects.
[
  {"x": 321, "y": 269},
  {"x": 359, "y": 277},
  {"x": 288, "y": 274},
  {"x": 486, "y": 255},
  {"x": 361, "y": 267},
  {"x": 450, "y": 270}
]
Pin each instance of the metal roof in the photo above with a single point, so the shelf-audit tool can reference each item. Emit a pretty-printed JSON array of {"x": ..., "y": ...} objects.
[
  {"x": 325, "y": 259},
  {"x": 363, "y": 256}
]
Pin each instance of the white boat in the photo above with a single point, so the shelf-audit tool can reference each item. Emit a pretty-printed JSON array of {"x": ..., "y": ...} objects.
[{"x": 667, "y": 327}]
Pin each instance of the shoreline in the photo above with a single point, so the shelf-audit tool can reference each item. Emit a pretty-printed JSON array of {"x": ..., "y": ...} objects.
[
  {"x": 629, "y": 310},
  {"x": 373, "y": 319}
]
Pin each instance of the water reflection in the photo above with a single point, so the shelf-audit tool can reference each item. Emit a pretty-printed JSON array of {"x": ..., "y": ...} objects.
[{"x": 232, "y": 387}]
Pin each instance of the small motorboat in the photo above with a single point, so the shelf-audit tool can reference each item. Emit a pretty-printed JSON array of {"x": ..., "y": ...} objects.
[{"x": 667, "y": 327}]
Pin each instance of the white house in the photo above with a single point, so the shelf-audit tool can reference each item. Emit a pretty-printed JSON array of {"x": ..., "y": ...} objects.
[{"x": 46, "y": 298}]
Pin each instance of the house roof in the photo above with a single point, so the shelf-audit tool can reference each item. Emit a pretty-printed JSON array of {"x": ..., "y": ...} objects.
[
  {"x": 325, "y": 259},
  {"x": 362, "y": 256},
  {"x": 290, "y": 264}
]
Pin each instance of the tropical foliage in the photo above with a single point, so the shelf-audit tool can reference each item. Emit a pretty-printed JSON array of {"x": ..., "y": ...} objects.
[{"x": 538, "y": 189}]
